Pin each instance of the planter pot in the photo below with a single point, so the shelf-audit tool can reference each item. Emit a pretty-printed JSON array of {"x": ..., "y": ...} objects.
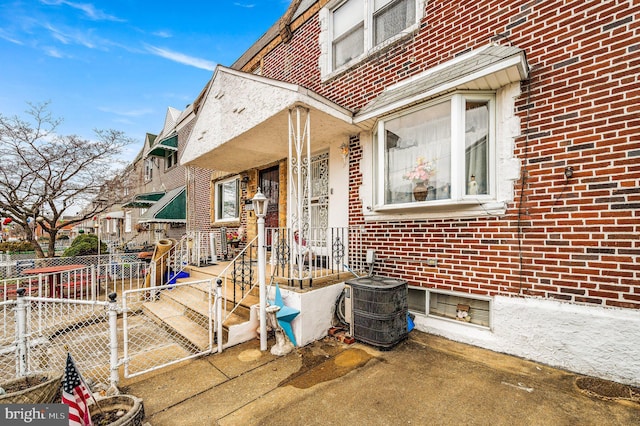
[
  {"x": 131, "y": 406},
  {"x": 34, "y": 389},
  {"x": 420, "y": 191}
]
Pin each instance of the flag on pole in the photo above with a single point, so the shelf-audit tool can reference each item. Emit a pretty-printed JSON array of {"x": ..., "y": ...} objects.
[{"x": 76, "y": 394}]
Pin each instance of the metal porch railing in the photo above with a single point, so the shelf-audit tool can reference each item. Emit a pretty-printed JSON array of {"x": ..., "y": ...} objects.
[{"x": 319, "y": 253}]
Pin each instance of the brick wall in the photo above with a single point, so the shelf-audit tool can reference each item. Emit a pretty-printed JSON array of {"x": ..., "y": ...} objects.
[{"x": 574, "y": 239}]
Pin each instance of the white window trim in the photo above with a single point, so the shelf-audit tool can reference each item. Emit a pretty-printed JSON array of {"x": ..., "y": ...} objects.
[
  {"x": 127, "y": 222},
  {"x": 505, "y": 172},
  {"x": 458, "y": 195},
  {"x": 217, "y": 187},
  {"x": 149, "y": 164},
  {"x": 326, "y": 37},
  {"x": 174, "y": 162}
]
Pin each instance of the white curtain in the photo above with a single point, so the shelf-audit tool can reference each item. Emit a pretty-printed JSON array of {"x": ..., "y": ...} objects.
[
  {"x": 422, "y": 135},
  {"x": 476, "y": 148}
]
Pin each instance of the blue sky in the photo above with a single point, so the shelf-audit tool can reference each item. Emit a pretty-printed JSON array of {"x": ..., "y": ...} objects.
[{"x": 119, "y": 64}]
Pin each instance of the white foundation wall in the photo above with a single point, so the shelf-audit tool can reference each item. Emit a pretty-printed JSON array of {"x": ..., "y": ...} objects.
[
  {"x": 595, "y": 341},
  {"x": 316, "y": 308}
]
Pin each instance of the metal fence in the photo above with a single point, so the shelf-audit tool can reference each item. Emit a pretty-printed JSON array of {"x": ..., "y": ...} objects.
[
  {"x": 168, "y": 324},
  {"x": 319, "y": 253},
  {"x": 45, "y": 329},
  {"x": 102, "y": 336},
  {"x": 13, "y": 265},
  {"x": 76, "y": 281}
]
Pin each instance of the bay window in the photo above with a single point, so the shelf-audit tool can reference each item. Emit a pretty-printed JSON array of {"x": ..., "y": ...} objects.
[
  {"x": 227, "y": 196},
  {"x": 439, "y": 153}
]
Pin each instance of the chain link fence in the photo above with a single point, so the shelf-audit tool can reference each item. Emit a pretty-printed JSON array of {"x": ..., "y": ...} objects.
[
  {"x": 168, "y": 324},
  {"x": 143, "y": 330},
  {"x": 38, "y": 332}
]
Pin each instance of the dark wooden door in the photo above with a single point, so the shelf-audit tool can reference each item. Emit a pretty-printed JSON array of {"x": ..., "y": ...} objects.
[{"x": 270, "y": 186}]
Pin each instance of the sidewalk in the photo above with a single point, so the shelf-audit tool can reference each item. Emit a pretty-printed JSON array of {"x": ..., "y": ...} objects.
[{"x": 425, "y": 380}]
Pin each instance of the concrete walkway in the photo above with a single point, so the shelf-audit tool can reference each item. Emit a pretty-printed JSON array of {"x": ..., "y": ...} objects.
[{"x": 425, "y": 380}]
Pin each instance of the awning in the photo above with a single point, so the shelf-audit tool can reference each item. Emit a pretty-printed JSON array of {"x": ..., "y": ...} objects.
[
  {"x": 112, "y": 215},
  {"x": 487, "y": 68},
  {"x": 243, "y": 122},
  {"x": 171, "y": 208},
  {"x": 144, "y": 201},
  {"x": 167, "y": 145}
]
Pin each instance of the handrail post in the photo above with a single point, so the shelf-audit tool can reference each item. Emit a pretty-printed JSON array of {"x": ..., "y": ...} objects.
[
  {"x": 219, "y": 313},
  {"x": 113, "y": 342},
  {"x": 21, "y": 331}
]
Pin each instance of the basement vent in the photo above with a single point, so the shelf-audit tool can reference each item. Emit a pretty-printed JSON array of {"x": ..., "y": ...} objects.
[{"x": 461, "y": 308}]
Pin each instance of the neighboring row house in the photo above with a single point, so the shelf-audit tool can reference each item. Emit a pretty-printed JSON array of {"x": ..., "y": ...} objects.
[
  {"x": 152, "y": 196},
  {"x": 487, "y": 151}
]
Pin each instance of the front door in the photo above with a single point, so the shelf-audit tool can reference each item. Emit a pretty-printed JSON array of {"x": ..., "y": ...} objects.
[{"x": 269, "y": 183}]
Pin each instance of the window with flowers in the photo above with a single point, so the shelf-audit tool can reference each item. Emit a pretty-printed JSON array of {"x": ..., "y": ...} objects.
[{"x": 438, "y": 153}]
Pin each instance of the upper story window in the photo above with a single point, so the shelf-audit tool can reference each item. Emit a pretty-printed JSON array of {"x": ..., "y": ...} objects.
[
  {"x": 391, "y": 18},
  {"x": 440, "y": 153},
  {"x": 227, "y": 196},
  {"x": 359, "y": 27},
  {"x": 148, "y": 169},
  {"x": 171, "y": 159},
  {"x": 127, "y": 221}
]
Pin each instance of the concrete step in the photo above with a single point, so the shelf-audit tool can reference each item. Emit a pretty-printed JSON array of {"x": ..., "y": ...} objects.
[
  {"x": 194, "y": 297},
  {"x": 171, "y": 316},
  {"x": 184, "y": 310}
]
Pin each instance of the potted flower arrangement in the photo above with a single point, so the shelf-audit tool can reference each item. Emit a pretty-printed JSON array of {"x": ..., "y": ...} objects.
[
  {"x": 420, "y": 175},
  {"x": 234, "y": 238}
]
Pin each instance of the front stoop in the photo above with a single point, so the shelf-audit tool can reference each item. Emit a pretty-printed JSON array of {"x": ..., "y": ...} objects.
[{"x": 184, "y": 312}]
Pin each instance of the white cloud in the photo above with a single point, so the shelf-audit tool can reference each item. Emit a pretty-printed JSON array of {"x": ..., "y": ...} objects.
[
  {"x": 53, "y": 52},
  {"x": 68, "y": 36},
  {"x": 9, "y": 38},
  {"x": 182, "y": 58},
  {"x": 245, "y": 5},
  {"x": 129, "y": 113},
  {"x": 163, "y": 34},
  {"x": 89, "y": 10}
]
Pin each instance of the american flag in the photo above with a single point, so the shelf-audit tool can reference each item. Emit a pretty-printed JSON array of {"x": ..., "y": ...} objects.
[{"x": 75, "y": 393}]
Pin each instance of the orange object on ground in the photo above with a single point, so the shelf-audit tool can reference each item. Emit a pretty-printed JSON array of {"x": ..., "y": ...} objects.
[{"x": 162, "y": 247}]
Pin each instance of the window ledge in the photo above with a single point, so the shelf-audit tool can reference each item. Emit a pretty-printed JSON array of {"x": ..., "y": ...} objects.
[
  {"x": 437, "y": 209},
  {"x": 225, "y": 222}
]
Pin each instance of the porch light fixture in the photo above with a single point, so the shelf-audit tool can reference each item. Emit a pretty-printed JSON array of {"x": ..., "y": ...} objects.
[
  {"x": 344, "y": 151},
  {"x": 260, "y": 203}
]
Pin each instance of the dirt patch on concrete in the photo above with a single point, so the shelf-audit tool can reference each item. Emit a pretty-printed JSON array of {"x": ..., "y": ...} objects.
[
  {"x": 605, "y": 389},
  {"x": 319, "y": 366}
]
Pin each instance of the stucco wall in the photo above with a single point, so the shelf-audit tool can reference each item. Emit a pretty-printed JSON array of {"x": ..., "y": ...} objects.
[{"x": 595, "y": 341}]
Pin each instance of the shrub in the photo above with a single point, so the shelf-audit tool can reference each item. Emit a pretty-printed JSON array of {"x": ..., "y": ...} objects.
[
  {"x": 83, "y": 245},
  {"x": 15, "y": 246}
]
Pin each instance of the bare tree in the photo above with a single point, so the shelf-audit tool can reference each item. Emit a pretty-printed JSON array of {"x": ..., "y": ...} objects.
[{"x": 44, "y": 175}]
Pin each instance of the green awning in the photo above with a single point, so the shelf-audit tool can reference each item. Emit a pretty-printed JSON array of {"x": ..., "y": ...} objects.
[
  {"x": 168, "y": 145},
  {"x": 172, "y": 208},
  {"x": 144, "y": 201}
]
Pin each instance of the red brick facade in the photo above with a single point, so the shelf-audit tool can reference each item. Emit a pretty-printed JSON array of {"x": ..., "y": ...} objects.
[{"x": 575, "y": 239}]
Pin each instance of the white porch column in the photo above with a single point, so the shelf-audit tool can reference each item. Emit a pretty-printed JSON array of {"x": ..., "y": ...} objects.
[{"x": 299, "y": 205}]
